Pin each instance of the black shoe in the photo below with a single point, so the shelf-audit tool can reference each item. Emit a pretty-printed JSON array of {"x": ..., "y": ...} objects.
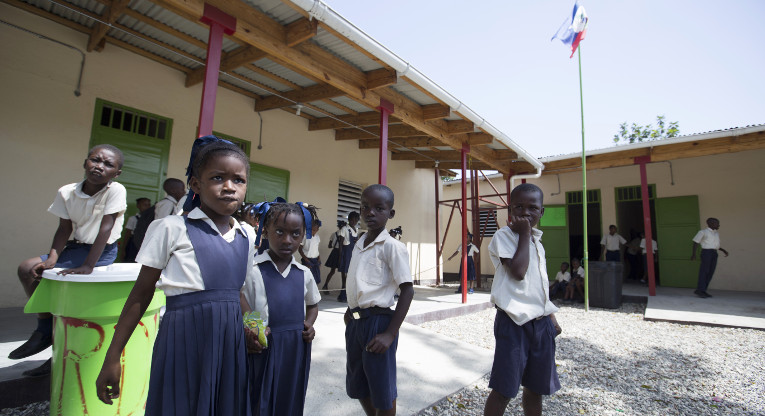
[
  {"x": 342, "y": 297},
  {"x": 459, "y": 290},
  {"x": 40, "y": 371},
  {"x": 36, "y": 343},
  {"x": 699, "y": 293},
  {"x": 707, "y": 295}
]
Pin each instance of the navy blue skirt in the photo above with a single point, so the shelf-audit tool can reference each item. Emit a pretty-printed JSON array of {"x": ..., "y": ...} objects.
[
  {"x": 199, "y": 361},
  {"x": 470, "y": 271},
  {"x": 74, "y": 255},
  {"x": 278, "y": 377},
  {"x": 345, "y": 264},
  {"x": 333, "y": 261}
]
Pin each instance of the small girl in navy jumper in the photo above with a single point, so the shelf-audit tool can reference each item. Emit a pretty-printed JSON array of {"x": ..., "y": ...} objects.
[
  {"x": 333, "y": 260},
  {"x": 199, "y": 362},
  {"x": 284, "y": 292}
]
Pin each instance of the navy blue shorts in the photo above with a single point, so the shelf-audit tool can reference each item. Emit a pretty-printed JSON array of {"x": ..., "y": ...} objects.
[
  {"x": 524, "y": 355},
  {"x": 368, "y": 374},
  {"x": 74, "y": 255}
]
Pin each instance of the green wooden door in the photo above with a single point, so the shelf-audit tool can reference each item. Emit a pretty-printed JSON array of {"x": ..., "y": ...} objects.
[
  {"x": 144, "y": 139},
  {"x": 554, "y": 224},
  {"x": 677, "y": 221},
  {"x": 266, "y": 183}
]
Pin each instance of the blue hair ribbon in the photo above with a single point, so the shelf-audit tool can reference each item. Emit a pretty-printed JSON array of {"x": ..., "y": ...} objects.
[
  {"x": 308, "y": 218},
  {"x": 192, "y": 201},
  {"x": 261, "y": 209}
]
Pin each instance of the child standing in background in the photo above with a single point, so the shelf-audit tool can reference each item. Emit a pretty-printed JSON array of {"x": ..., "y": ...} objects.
[
  {"x": 348, "y": 236},
  {"x": 92, "y": 212},
  {"x": 472, "y": 249},
  {"x": 380, "y": 265},
  {"x": 130, "y": 251},
  {"x": 199, "y": 363},
  {"x": 333, "y": 260},
  {"x": 285, "y": 294},
  {"x": 309, "y": 252}
]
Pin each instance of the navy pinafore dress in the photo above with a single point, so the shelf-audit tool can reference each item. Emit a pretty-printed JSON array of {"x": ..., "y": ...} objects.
[
  {"x": 199, "y": 361},
  {"x": 278, "y": 376},
  {"x": 347, "y": 253}
]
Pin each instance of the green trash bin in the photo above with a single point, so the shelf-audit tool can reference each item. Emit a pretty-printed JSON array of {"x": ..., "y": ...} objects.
[{"x": 85, "y": 310}]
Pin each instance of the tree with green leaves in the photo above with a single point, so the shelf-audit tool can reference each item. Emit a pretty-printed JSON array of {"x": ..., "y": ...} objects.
[{"x": 638, "y": 133}]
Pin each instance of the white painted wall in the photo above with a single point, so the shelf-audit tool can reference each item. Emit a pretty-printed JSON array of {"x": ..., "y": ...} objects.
[
  {"x": 729, "y": 187},
  {"x": 45, "y": 131}
]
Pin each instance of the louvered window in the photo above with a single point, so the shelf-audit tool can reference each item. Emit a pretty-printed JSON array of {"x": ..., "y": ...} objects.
[
  {"x": 348, "y": 198},
  {"x": 488, "y": 221}
]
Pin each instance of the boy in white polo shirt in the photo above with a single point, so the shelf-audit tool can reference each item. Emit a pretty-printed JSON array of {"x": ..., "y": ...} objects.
[
  {"x": 709, "y": 240},
  {"x": 525, "y": 326},
  {"x": 379, "y": 266}
]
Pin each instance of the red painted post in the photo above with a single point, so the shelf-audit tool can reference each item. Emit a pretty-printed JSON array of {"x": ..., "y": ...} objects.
[
  {"x": 438, "y": 228},
  {"x": 642, "y": 160},
  {"x": 219, "y": 23},
  {"x": 463, "y": 258},
  {"x": 386, "y": 108}
]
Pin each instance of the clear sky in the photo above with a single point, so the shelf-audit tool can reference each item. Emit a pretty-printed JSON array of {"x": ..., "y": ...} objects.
[{"x": 701, "y": 63}]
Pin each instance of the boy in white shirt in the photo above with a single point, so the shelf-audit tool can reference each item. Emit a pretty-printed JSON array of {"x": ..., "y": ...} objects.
[
  {"x": 379, "y": 265},
  {"x": 92, "y": 213},
  {"x": 175, "y": 190},
  {"x": 524, "y": 327},
  {"x": 611, "y": 245},
  {"x": 709, "y": 240},
  {"x": 561, "y": 280}
]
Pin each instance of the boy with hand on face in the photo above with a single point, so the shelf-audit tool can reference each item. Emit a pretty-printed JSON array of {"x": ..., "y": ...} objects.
[
  {"x": 525, "y": 327},
  {"x": 379, "y": 266}
]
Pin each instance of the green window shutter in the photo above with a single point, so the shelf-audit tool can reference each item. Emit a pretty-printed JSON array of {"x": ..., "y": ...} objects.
[{"x": 266, "y": 183}]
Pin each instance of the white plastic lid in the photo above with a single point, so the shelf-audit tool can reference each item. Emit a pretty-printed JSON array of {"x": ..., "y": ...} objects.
[{"x": 119, "y": 272}]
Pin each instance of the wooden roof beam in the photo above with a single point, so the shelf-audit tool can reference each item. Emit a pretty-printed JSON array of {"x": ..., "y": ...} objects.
[
  {"x": 409, "y": 142},
  {"x": 306, "y": 95},
  {"x": 448, "y": 155},
  {"x": 395, "y": 130},
  {"x": 234, "y": 59},
  {"x": 300, "y": 31},
  {"x": 112, "y": 12},
  {"x": 460, "y": 126},
  {"x": 368, "y": 118},
  {"x": 435, "y": 111},
  {"x": 380, "y": 78}
]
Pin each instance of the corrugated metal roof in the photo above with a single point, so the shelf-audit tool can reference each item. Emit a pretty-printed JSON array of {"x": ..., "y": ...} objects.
[
  {"x": 283, "y": 72},
  {"x": 262, "y": 79},
  {"x": 350, "y": 103},
  {"x": 344, "y": 51},
  {"x": 413, "y": 93},
  {"x": 276, "y": 9}
]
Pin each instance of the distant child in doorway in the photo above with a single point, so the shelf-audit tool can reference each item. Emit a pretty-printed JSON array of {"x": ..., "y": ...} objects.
[
  {"x": 561, "y": 280},
  {"x": 198, "y": 365},
  {"x": 348, "y": 236},
  {"x": 91, "y": 212},
  {"x": 472, "y": 249},
  {"x": 130, "y": 251},
  {"x": 379, "y": 266},
  {"x": 575, "y": 287},
  {"x": 333, "y": 260},
  {"x": 284, "y": 292}
]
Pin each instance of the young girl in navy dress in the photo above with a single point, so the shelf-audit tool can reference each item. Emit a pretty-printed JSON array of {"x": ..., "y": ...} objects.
[
  {"x": 348, "y": 236},
  {"x": 333, "y": 260},
  {"x": 199, "y": 362},
  {"x": 284, "y": 292}
]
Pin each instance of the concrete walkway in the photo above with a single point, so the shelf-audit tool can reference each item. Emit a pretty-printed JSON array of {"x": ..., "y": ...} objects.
[{"x": 430, "y": 365}]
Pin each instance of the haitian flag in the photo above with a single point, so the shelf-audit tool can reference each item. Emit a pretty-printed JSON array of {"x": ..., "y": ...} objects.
[{"x": 573, "y": 29}]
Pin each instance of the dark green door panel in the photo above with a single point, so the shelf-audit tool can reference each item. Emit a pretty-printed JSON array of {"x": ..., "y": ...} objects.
[
  {"x": 266, "y": 183},
  {"x": 554, "y": 225},
  {"x": 677, "y": 221}
]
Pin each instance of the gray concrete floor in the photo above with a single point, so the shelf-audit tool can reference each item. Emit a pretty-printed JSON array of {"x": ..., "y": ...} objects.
[{"x": 430, "y": 366}]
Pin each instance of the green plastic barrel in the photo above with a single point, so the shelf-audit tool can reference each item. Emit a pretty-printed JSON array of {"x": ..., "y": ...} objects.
[{"x": 85, "y": 310}]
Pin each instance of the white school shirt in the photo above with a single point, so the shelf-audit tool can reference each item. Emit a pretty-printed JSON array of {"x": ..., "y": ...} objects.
[
  {"x": 473, "y": 249},
  {"x": 165, "y": 207},
  {"x": 526, "y": 299},
  {"x": 708, "y": 239},
  {"x": 179, "y": 205},
  {"x": 654, "y": 248},
  {"x": 580, "y": 272},
  {"x": 255, "y": 291},
  {"x": 347, "y": 232},
  {"x": 86, "y": 212},
  {"x": 311, "y": 246},
  {"x": 563, "y": 277},
  {"x": 132, "y": 222},
  {"x": 167, "y": 247},
  {"x": 612, "y": 241},
  {"x": 376, "y": 271}
]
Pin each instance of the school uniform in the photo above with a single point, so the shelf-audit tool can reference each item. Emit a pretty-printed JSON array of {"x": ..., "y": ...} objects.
[
  {"x": 561, "y": 281},
  {"x": 375, "y": 272},
  {"x": 86, "y": 213},
  {"x": 333, "y": 260},
  {"x": 472, "y": 249},
  {"x": 198, "y": 365},
  {"x": 311, "y": 250},
  {"x": 278, "y": 376},
  {"x": 350, "y": 236},
  {"x": 709, "y": 240},
  {"x": 654, "y": 249},
  {"x": 130, "y": 250},
  {"x": 164, "y": 207},
  {"x": 612, "y": 243},
  {"x": 522, "y": 322}
]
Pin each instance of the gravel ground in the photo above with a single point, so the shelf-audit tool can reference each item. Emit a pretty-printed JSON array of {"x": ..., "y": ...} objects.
[{"x": 612, "y": 362}]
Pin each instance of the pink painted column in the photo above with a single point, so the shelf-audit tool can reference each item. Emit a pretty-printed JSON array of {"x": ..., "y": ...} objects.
[
  {"x": 463, "y": 258},
  {"x": 386, "y": 109},
  {"x": 220, "y": 23},
  {"x": 642, "y": 160}
]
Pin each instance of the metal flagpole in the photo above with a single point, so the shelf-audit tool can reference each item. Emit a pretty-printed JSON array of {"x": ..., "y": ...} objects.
[{"x": 585, "y": 257}]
